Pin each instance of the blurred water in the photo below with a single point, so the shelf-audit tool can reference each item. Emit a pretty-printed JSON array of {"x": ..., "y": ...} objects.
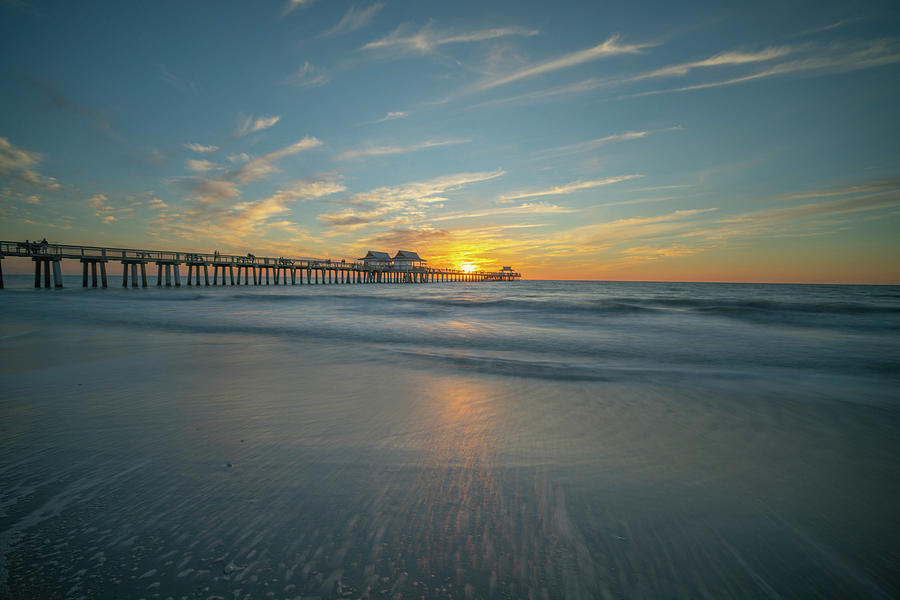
[{"x": 529, "y": 439}]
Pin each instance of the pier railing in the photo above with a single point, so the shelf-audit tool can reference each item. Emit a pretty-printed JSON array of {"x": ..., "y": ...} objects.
[{"x": 335, "y": 270}]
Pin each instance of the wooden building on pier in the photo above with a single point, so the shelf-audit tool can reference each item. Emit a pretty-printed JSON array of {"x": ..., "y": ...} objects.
[
  {"x": 407, "y": 260},
  {"x": 376, "y": 260}
]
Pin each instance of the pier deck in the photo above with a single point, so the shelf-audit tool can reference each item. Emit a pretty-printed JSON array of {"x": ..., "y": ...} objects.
[{"x": 240, "y": 270}]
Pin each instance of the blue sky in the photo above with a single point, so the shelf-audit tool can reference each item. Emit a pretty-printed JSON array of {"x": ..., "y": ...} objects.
[{"x": 744, "y": 142}]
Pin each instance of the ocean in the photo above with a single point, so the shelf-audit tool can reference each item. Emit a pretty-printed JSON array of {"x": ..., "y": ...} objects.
[{"x": 532, "y": 439}]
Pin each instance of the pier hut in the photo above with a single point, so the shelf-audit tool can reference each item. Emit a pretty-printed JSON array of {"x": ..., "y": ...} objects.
[
  {"x": 407, "y": 260},
  {"x": 376, "y": 260}
]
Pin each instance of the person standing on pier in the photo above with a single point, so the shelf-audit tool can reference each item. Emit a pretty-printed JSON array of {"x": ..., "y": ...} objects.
[{"x": 44, "y": 245}]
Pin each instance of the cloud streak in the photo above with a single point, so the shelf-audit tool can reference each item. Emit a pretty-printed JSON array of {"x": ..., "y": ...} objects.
[
  {"x": 200, "y": 148},
  {"x": 610, "y": 47},
  {"x": 389, "y": 150},
  {"x": 251, "y": 125},
  {"x": 354, "y": 19},
  {"x": 257, "y": 167},
  {"x": 835, "y": 59},
  {"x": 568, "y": 188},
  {"x": 719, "y": 60},
  {"x": 591, "y": 145},
  {"x": 21, "y": 165},
  {"x": 540, "y": 208},
  {"x": 427, "y": 40},
  {"x": 391, "y": 116},
  {"x": 292, "y": 5},
  {"x": 308, "y": 76},
  {"x": 404, "y": 202}
]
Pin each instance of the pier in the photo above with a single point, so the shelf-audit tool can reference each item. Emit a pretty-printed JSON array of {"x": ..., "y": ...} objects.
[{"x": 405, "y": 267}]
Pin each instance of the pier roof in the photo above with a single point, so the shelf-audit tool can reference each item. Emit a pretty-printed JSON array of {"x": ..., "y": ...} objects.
[
  {"x": 408, "y": 255},
  {"x": 373, "y": 255}
]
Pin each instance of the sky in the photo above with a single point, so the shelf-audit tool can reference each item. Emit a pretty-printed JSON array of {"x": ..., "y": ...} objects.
[{"x": 669, "y": 141}]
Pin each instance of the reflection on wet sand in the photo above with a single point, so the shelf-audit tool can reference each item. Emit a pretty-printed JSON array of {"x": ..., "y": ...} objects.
[{"x": 455, "y": 519}]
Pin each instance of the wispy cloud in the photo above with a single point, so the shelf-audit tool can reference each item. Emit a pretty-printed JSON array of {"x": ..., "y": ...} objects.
[
  {"x": 250, "y": 215},
  {"x": 308, "y": 76},
  {"x": 251, "y": 125},
  {"x": 206, "y": 192},
  {"x": 200, "y": 166},
  {"x": 295, "y": 4},
  {"x": 201, "y": 148},
  {"x": 842, "y": 206},
  {"x": 233, "y": 224},
  {"x": 591, "y": 145},
  {"x": 18, "y": 164},
  {"x": 539, "y": 208},
  {"x": 837, "y": 58},
  {"x": 388, "y": 150},
  {"x": 847, "y": 191},
  {"x": 180, "y": 83},
  {"x": 610, "y": 47},
  {"x": 427, "y": 39},
  {"x": 258, "y": 167},
  {"x": 391, "y": 116},
  {"x": 827, "y": 27},
  {"x": 427, "y": 190},
  {"x": 564, "y": 91},
  {"x": 103, "y": 210},
  {"x": 354, "y": 19},
  {"x": 568, "y": 188},
  {"x": 401, "y": 203},
  {"x": 718, "y": 60}
]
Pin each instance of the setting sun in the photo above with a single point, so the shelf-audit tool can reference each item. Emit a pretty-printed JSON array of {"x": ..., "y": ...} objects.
[{"x": 467, "y": 268}]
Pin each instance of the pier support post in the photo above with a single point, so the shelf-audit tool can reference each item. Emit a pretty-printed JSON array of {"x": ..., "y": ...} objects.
[
  {"x": 57, "y": 274},
  {"x": 84, "y": 270},
  {"x": 159, "y": 270},
  {"x": 94, "y": 274},
  {"x": 103, "y": 272},
  {"x": 206, "y": 274},
  {"x": 124, "y": 274},
  {"x": 134, "y": 282},
  {"x": 190, "y": 267},
  {"x": 168, "y": 275},
  {"x": 143, "y": 275},
  {"x": 231, "y": 274},
  {"x": 177, "y": 275}
]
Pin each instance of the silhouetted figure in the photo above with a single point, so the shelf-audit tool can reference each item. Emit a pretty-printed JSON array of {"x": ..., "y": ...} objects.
[{"x": 44, "y": 246}]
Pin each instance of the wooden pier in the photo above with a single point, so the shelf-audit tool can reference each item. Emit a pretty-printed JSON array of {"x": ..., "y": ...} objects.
[{"x": 233, "y": 269}]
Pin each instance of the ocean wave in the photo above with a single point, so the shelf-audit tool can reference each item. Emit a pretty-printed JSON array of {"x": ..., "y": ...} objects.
[
  {"x": 561, "y": 371},
  {"x": 614, "y": 305}
]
